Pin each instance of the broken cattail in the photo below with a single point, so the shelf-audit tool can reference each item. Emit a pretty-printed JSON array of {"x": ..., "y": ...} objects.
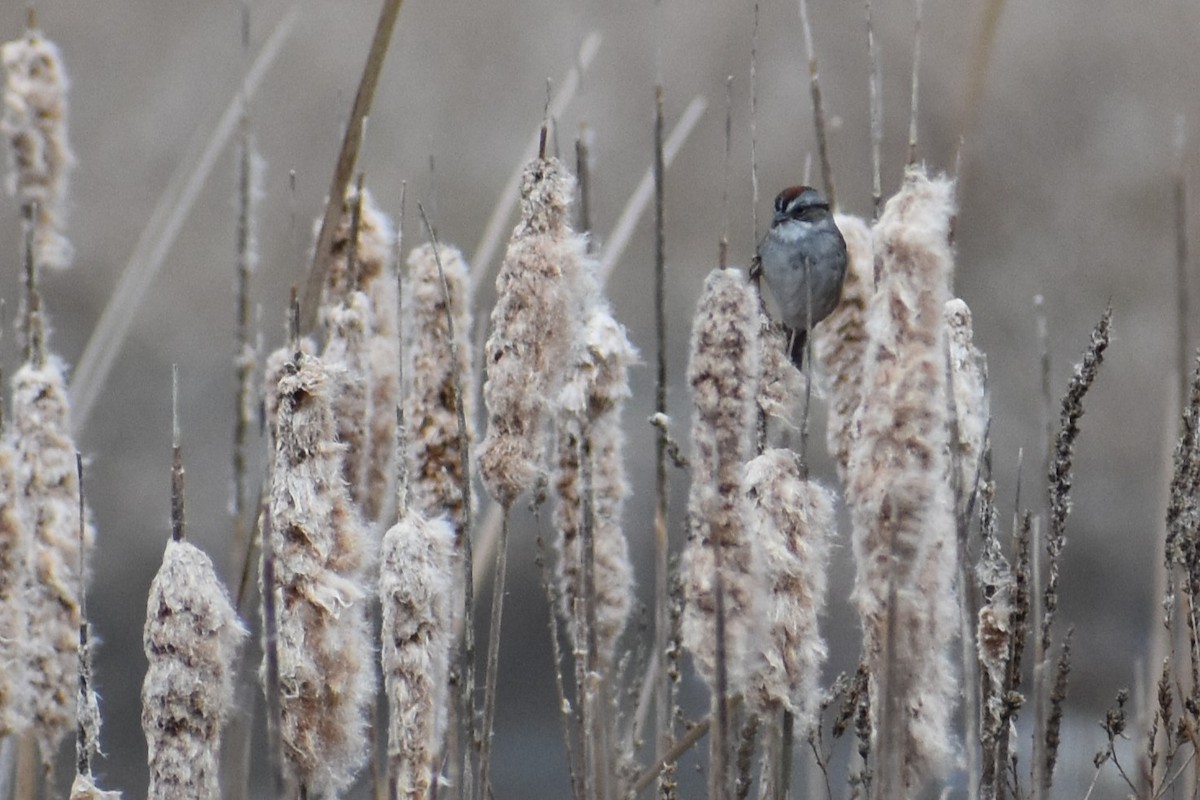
[
  {"x": 541, "y": 295},
  {"x": 347, "y": 359},
  {"x": 419, "y": 597},
  {"x": 723, "y": 372},
  {"x": 326, "y": 678},
  {"x": 39, "y": 157},
  {"x": 434, "y": 459},
  {"x": 589, "y": 408},
  {"x": 968, "y": 382},
  {"x": 15, "y": 547},
  {"x": 191, "y": 638},
  {"x": 841, "y": 339},
  {"x": 48, "y": 499},
  {"x": 792, "y": 519},
  {"x": 902, "y": 508}
]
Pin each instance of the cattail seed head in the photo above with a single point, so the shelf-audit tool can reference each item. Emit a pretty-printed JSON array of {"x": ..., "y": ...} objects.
[
  {"x": 326, "y": 675},
  {"x": 85, "y": 788},
  {"x": 541, "y": 294},
  {"x": 968, "y": 382},
  {"x": 191, "y": 639},
  {"x": 792, "y": 519},
  {"x": 781, "y": 385},
  {"x": 418, "y": 595},
  {"x": 49, "y": 502},
  {"x": 435, "y": 465},
  {"x": 902, "y": 508},
  {"x": 347, "y": 358},
  {"x": 35, "y": 124},
  {"x": 15, "y": 548},
  {"x": 723, "y": 372},
  {"x": 589, "y": 407},
  {"x": 840, "y": 340}
]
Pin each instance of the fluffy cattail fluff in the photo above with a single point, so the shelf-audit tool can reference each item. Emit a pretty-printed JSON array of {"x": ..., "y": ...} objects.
[
  {"x": 540, "y": 301},
  {"x": 275, "y": 368},
  {"x": 15, "y": 548},
  {"x": 85, "y": 788},
  {"x": 35, "y": 124},
  {"x": 374, "y": 274},
  {"x": 435, "y": 467},
  {"x": 326, "y": 678},
  {"x": 48, "y": 500},
  {"x": 589, "y": 408},
  {"x": 723, "y": 372},
  {"x": 191, "y": 639},
  {"x": 419, "y": 598},
  {"x": 841, "y": 339},
  {"x": 792, "y": 520},
  {"x": 781, "y": 385},
  {"x": 968, "y": 382},
  {"x": 902, "y": 508},
  {"x": 347, "y": 358}
]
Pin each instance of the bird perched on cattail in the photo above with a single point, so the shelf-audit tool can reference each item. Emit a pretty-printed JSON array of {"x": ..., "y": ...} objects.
[{"x": 803, "y": 258}]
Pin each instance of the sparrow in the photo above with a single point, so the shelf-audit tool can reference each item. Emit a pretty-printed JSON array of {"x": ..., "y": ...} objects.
[{"x": 803, "y": 259}]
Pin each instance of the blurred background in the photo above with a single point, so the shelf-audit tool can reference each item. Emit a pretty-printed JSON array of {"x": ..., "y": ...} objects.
[{"x": 1068, "y": 175}]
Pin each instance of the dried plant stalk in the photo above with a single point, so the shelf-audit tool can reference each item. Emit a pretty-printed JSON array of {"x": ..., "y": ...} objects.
[
  {"x": 902, "y": 507},
  {"x": 16, "y": 544},
  {"x": 326, "y": 677},
  {"x": 840, "y": 341},
  {"x": 433, "y": 455},
  {"x": 39, "y": 157},
  {"x": 191, "y": 639},
  {"x": 792, "y": 519},
  {"x": 418, "y": 592},
  {"x": 534, "y": 325},
  {"x": 723, "y": 373},
  {"x": 589, "y": 407},
  {"x": 48, "y": 500}
]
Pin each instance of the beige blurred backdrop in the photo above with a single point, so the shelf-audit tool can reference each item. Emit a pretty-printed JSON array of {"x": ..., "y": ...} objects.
[{"x": 1067, "y": 192}]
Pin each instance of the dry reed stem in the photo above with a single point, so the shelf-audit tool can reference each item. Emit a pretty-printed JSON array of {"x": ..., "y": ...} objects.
[
  {"x": 902, "y": 508},
  {"x": 326, "y": 674},
  {"x": 418, "y": 593},
  {"x": 840, "y": 342},
  {"x": 192, "y": 637},
  {"x": 535, "y": 323},
  {"x": 435, "y": 466},
  {"x": 793, "y": 520},
  {"x": 352, "y": 139},
  {"x": 723, "y": 372},
  {"x": 48, "y": 500},
  {"x": 39, "y": 157}
]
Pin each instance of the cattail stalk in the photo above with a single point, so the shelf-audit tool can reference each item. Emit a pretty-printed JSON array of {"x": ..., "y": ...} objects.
[
  {"x": 326, "y": 677},
  {"x": 902, "y": 507},
  {"x": 39, "y": 157}
]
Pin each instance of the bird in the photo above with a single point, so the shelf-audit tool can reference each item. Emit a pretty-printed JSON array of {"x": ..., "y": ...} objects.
[{"x": 803, "y": 249}]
